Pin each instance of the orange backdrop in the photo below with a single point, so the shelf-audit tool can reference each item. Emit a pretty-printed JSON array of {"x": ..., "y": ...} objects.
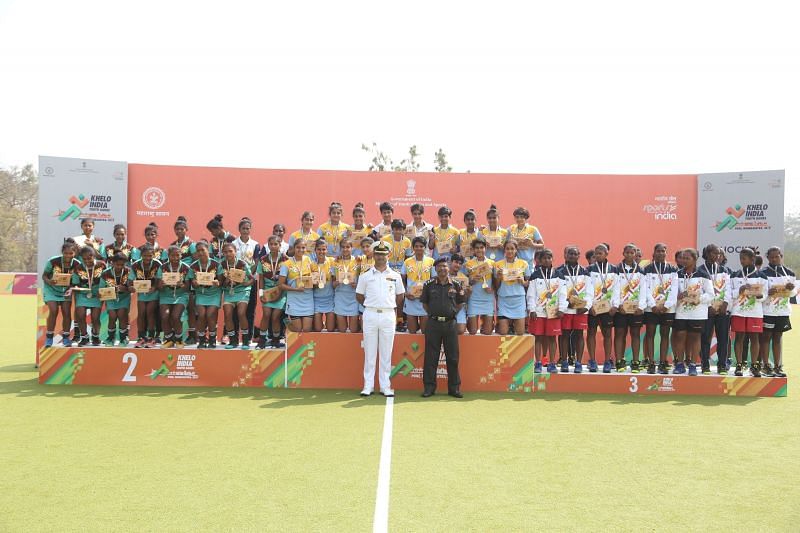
[{"x": 579, "y": 209}]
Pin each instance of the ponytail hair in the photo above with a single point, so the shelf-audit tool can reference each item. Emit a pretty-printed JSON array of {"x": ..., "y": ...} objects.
[{"x": 215, "y": 223}]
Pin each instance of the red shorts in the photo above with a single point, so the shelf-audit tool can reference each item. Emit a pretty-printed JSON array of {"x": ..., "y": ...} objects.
[
  {"x": 545, "y": 326},
  {"x": 741, "y": 324},
  {"x": 575, "y": 321}
]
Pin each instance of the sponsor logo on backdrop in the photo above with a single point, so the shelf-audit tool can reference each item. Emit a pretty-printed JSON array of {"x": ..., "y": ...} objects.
[
  {"x": 97, "y": 206},
  {"x": 411, "y": 197},
  {"x": 744, "y": 217},
  {"x": 153, "y": 198},
  {"x": 662, "y": 385},
  {"x": 663, "y": 208},
  {"x": 180, "y": 368}
]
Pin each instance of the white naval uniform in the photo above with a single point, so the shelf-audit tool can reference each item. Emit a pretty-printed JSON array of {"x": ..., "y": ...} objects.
[
  {"x": 380, "y": 290},
  {"x": 245, "y": 251}
]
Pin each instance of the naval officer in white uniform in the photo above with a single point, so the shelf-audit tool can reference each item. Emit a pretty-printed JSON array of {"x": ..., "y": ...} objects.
[{"x": 380, "y": 290}]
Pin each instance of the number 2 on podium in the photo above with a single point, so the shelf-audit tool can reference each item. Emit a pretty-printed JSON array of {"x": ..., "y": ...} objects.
[{"x": 131, "y": 359}]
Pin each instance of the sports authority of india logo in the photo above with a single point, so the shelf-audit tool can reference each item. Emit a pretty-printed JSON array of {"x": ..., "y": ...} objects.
[
  {"x": 153, "y": 198},
  {"x": 663, "y": 207},
  {"x": 77, "y": 203}
]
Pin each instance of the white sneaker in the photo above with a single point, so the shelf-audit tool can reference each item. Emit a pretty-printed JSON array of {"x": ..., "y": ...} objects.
[
  {"x": 366, "y": 392},
  {"x": 389, "y": 393}
]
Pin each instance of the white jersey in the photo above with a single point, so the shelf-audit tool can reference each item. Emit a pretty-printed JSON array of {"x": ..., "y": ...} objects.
[
  {"x": 632, "y": 285},
  {"x": 545, "y": 290},
  {"x": 744, "y": 304},
  {"x": 695, "y": 284},
  {"x": 778, "y": 304}
]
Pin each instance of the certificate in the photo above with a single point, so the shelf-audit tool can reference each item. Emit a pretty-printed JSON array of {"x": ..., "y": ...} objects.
[
  {"x": 691, "y": 298},
  {"x": 271, "y": 295},
  {"x": 444, "y": 247},
  {"x": 305, "y": 282},
  {"x": 551, "y": 309},
  {"x": 141, "y": 285},
  {"x": 171, "y": 278},
  {"x": 601, "y": 306},
  {"x": 512, "y": 274},
  {"x": 205, "y": 279},
  {"x": 480, "y": 271},
  {"x": 716, "y": 305},
  {"x": 629, "y": 307},
  {"x": 236, "y": 275},
  {"x": 463, "y": 280},
  {"x": 494, "y": 241},
  {"x": 356, "y": 235},
  {"x": 524, "y": 243},
  {"x": 62, "y": 280},
  {"x": 576, "y": 302},
  {"x": 107, "y": 293},
  {"x": 781, "y": 291},
  {"x": 415, "y": 290},
  {"x": 756, "y": 291}
]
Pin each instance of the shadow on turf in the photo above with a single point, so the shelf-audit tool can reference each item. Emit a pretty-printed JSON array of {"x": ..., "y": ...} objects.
[{"x": 281, "y": 398}]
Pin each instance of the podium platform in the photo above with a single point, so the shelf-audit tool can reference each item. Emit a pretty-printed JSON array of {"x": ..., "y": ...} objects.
[{"x": 335, "y": 361}]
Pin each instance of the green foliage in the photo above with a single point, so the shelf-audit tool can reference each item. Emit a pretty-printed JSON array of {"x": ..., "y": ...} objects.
[
  {"x": 19, "y": 209},
  {"x": 791, "y": 236},
  {"x": 380, "y": 161},
  {"x": 440, "y": 162}
]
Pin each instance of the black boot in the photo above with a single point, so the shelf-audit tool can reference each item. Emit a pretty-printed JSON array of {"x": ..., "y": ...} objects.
[
  {"x": 212, "y": 341},
  {"x": 233, "y": 340},
  {"x": 245, "y": 341},
  {"x": 201, "y": 342}
]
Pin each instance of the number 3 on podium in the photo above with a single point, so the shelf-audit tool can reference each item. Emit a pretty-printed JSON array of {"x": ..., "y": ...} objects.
[{"x": 633, "y": 388}]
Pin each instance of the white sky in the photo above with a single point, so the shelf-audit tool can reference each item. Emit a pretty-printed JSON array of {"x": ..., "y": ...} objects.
[{"x": 589, "y": 87}]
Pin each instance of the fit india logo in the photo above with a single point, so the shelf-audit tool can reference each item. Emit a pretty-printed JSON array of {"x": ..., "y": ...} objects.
[
  {"x": 77, "y": 203},
  {"x": 733, "y": 215}
]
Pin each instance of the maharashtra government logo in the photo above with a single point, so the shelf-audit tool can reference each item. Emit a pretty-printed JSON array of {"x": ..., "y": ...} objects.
[
  {"x": 153, "y": 198},
  {"x": 74, "y": 210},
  {"x": 730, "y": 221}
]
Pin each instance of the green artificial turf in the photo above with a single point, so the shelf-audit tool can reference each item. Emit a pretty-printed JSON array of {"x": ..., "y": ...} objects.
[{"x": 154, "y": 459}]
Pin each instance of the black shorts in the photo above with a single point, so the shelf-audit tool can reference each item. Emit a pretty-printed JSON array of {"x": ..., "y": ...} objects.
[
  {"x": 604, "y": 321},
  {"x": 659, "y": 319},
  {"x": 299, "y": 317},
  {"x": 777, "y": 323},
  {"x": 683, "y": 324},
  {"x": 624, "y": 320}
]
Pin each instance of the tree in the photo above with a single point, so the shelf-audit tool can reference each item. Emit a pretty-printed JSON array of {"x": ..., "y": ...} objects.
[
  {"x": 791, "y": 237},
  {"x": 440, "y": 162},
  {"x": 381, "y": 162},
  {"x": 19, "y": 211}
]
